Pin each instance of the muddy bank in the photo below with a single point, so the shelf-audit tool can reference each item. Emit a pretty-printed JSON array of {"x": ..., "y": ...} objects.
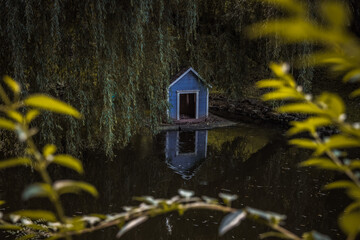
[
  {"x": 211, "y": 122},
  {"x": 250, "y": 110}
]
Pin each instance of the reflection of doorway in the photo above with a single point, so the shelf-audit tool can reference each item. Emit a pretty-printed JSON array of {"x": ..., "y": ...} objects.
[
  {"x": 187, "y": 105},
  {"x": 187, "y": 143}
]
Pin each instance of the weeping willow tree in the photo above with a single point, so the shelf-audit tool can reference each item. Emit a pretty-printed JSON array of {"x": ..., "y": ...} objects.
[{"x": 112, "y": 60}]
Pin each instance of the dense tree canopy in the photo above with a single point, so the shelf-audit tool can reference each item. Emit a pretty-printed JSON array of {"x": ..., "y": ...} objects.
[{"x": 112, "y": 60}]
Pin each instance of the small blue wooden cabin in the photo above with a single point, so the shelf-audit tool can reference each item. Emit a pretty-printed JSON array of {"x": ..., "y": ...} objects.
[{"x": 188, "y": 96}]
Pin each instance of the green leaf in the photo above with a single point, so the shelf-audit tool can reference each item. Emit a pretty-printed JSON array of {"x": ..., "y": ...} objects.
[
  {"x": 352, "y": 76},
  {"x": 323, "y": 163},
  {"x": 314, "y": 235},
  {"x": 12, "y": 84},
  {"x": 70, "y": 186},
  {"x": 37, "y": 215},
  {"x": 49, "y": 149},
  {"x": 14, "y": 162},
  {"x": 2, "y": 202},
  {"x": 7, "y": 124},
  {"x": 69, "y": 162},
  {"x": 38, "y": 190},
  {"x": 306, "y": 108},
  {"x": 350, "y": 223},
  {"x": 31, "y": 115},
  {"x": 128, "y": 226},
  {"x": 51, "y": 104},
  {"x": 304, "y": 143},
  {"x": 230, "y": 221}
]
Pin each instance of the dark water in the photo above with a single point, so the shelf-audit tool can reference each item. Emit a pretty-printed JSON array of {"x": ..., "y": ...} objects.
[{"x": 253, "y": 162}]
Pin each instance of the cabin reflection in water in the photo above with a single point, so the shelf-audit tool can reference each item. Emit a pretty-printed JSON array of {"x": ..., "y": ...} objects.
[{"x": 186, "y": 151}]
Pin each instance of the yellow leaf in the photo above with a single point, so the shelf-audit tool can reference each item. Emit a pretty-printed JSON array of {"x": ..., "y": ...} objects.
[
  {"x": 350, "y": 223},
  {"x": 352, "y": 76},
  {"x": 69, "y": 162},
  {"x": 31, "y": 115},
  {"x": 341, "y": 141},
  {"x": 12, "y": 84},
  {"x": 37, "y": 214},
  {"x": 334, "y": 13},
  {"x": 70, "y": 186},
  {"x": 341, "y": 184},
  {"x": 7, "y": 124},
  {"x": 283, "y": 93},
  {"x": 49, "y": 149},
  {"x": 310, "y": 124},
  {"x": 323, "y": 163},
  {"x": 332, "y": 103},
  {"x": 15, "y": 115},
  {"x": 270, "y": 83},
  {"x": 13, "y": 162},
  {"x": 355, "y": 93},
  {"x": 304, "y": 143},
  {"x": 51, "y": 104},
  {"x": 278, "y": 69},
  {"x": 307, "y": 108}
]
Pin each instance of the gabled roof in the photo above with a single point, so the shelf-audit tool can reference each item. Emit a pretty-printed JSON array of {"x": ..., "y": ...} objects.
[{"x": 182, "y": 73}]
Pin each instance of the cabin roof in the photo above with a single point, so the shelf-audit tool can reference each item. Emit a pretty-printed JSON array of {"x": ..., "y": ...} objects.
[{"x": 182, "y": 73}]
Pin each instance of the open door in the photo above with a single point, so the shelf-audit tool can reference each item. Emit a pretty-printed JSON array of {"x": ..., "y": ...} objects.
[{"x": 187, "y": 105}]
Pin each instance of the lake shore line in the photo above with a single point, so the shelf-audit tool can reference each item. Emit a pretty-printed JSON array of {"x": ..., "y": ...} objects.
[{"x": 212, "y": 121}]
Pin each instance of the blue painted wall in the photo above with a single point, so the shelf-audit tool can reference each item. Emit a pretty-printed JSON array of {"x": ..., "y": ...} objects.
[
  {"x": 188, "y": 82},
  {"x": 185, "y": 164}
]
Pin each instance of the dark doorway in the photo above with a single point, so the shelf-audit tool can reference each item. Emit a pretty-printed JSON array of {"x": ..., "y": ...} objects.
[{"x": 187, "y": 106}]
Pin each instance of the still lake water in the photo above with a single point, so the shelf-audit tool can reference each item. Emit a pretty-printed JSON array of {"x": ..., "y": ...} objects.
[{"x": 251, "y": 161}]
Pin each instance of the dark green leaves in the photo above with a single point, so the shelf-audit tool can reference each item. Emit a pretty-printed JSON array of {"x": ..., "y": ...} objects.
[
  {"x": 230, "y": 221},
  {"x": 51, "y": 104}
]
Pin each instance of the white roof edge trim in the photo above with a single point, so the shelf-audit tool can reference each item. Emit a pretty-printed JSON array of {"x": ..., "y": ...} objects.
[{"x": 182, "y": 75}]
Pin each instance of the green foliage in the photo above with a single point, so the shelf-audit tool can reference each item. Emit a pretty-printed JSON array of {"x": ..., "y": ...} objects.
[{"x": 340, "y": 51}]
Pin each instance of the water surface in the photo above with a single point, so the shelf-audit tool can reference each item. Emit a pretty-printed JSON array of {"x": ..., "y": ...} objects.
[{"x": 251, "y": 161}]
